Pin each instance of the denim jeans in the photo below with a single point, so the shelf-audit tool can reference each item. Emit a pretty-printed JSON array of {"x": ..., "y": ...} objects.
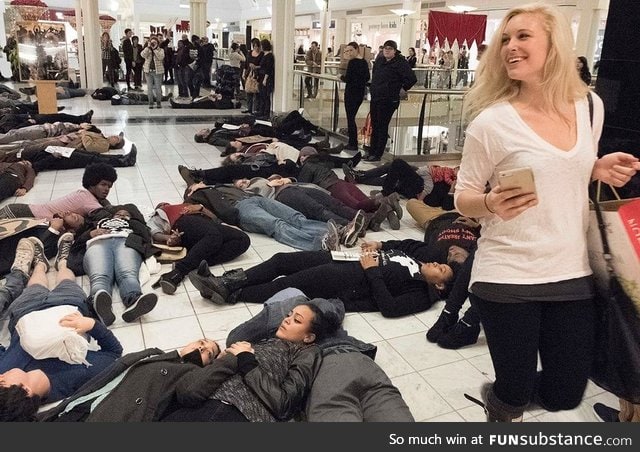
[
  {"x": 183, "y": 76},
  {"x": 154, "y": 85},
  {"x": 288, "y": 226},
  {"x": 109, "y": 258}
]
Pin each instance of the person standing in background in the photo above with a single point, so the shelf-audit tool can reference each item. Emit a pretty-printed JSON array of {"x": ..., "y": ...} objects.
[
  {"x": 153, "y": 70},
  {"x": 266, "y": 79},
  {"x": 411, "y": 58},
  {"x": 105, "y": 56},
  {"x": 583, "y": 69},
  {"x": 137, "y": 63},
  {"x": 356, "y": 78},
  {"x": 529, "y": 108},
  {"x": 127, "y": 50},
  {"x": 207, "y": 50},
  {"x": 391, "y": 74},
  {"x": 253, "y": 65},
  {"x": 236, "y": 60},
  {"x": 313, "y": 59}
]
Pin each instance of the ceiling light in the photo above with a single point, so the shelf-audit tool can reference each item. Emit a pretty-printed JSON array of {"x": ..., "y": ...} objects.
[
  {"x": 461, "y": 8},
  {"x": 402, "y": 12}
]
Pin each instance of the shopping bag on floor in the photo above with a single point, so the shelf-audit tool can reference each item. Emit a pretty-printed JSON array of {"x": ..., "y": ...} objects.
[
  {"x": 614, "y": 257},
  {"x": 364, "y": 135}
]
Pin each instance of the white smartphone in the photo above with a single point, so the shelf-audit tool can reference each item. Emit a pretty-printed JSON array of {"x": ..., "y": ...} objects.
[{"x": 518, "y": 178}]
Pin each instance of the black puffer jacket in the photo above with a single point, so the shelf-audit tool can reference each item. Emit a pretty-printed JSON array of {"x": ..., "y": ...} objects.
[{"x": 388, "y": 77}]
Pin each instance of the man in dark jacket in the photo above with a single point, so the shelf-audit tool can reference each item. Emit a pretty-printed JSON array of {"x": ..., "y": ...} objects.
[
  {"x": 127, "y": 50},
  {"x": 391, "y": 74},
  {"x": 177, "y": 376}
]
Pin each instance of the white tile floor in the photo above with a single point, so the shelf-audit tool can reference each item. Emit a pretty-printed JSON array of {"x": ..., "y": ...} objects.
[{"x": 431, "y": 379}]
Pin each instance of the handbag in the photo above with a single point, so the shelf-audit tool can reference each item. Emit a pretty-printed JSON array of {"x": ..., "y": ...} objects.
[
  {"x": 170, "y": 253},
  {"x": 616, "y": 364},
  {"x": 251, "y": 85},
  {"x": 364, "y": 136}
]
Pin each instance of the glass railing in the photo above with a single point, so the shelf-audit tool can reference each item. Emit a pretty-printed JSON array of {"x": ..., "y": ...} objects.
[{"x": 428, "y": 121}]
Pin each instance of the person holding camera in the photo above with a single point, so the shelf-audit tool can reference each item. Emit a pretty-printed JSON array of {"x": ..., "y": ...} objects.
[{"x": 153, "y": 71}]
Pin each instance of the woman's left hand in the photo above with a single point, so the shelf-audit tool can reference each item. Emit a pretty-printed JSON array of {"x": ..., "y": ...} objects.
[
  {"x": 239, "y": 347},
  {"x": 616, "y": 168}
]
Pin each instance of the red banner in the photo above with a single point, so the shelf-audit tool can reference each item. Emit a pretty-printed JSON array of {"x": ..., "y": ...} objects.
[{"x": 455, "y": 26}]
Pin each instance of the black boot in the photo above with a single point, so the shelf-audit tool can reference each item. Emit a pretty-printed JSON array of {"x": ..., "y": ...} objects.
[
  {"x": 217, "y": 288},
  {"x": 169, "y": 281},
  {"x": 460, "y": 335},
  {"x": 444, "y": 323}
]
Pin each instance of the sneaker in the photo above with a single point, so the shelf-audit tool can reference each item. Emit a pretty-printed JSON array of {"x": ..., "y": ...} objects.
[
  {"x": 25, "y": 251},
  {"x": 207, "y": 284},
  {"x": 64, "y": 245},
  {"x": 460, "y": 335},
  {"x": 158, "y": 105},
  {"x": 143, "y": 305},
  {"x": 606, "y": 413},
  {"x": 38, "y": 255},
  {"x": 351, "y": 231},
  {"x": 187, "y": 175},
  {"x": 445, "y": 322},
  {"x": 331, "y": 240},
  {"x": 394, "y": 221},
  {"x": 102, "y": 305},
  {"x": 151, "y": 107}
]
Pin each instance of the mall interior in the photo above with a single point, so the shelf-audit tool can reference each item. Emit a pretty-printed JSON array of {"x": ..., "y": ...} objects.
[{"x": 427, "y": 129}]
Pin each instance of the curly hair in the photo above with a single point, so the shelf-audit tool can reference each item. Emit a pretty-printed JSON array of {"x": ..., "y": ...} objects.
[
  {"x": 16, "y": 405},
  {"x": 97, "y": 172}
]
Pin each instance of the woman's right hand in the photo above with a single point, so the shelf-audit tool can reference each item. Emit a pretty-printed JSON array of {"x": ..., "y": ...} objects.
[{"x": 508, "y": 204}]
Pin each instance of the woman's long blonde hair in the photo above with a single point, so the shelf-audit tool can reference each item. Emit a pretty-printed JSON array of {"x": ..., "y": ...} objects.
[{"x": 560, "y": 78}]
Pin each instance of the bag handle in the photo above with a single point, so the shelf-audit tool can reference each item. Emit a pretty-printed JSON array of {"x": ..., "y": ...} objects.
[{"x": 608, "y": 258}]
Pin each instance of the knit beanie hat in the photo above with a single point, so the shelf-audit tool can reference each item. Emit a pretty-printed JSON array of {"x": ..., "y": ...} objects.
[{"x": 307, "y": 151}]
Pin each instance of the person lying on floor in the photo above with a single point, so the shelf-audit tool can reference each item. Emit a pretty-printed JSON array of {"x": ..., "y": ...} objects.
[
  {"x": 267, "y": 381},
  {"x": 16, "y": 179},
  {"x": 130, "y": 98},
  {"x": 97, "y": 181},
  {"x": 311, "y": 200},
  {"x": 249, "y": 145},
  {"x": 350, "y": 386},
  {"x": 390, "y": 282},
  {"x": 254, "y": 213},
  {"x": 17, "y": 121},
  {"x": 203, "y": 235},
  {"x": 449, "y": 237},
  {"x": 112, "y": 249},
  {"x": 316, "y": 169},
  {"x": 39, "y": 131},
  {"x": 429, "y": 188},
  {"x": 85, "y": 140},
  {"x": 47, "y": 231},
  {"x": 27, "y": 382}
]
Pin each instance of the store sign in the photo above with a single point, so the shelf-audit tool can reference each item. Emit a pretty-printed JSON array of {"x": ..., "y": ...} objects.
[{"x": 316, "y": 25}]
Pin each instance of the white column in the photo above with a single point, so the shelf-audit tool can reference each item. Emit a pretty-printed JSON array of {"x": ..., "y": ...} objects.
[
  {"x": 324, "y": 33},
  {"x": 5, "y": 66},
  {"x": 409, "y": 25},
  {"x": 81, "y": 56},
  {"x": 587, "y": 28},
  {"x": 282, "y": 40},
  {"x": 198, "y": 17},
  {"x": 89, "y": 29}
]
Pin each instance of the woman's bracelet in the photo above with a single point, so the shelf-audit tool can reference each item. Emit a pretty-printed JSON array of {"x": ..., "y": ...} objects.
[{"x": 487, "y": 205}]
